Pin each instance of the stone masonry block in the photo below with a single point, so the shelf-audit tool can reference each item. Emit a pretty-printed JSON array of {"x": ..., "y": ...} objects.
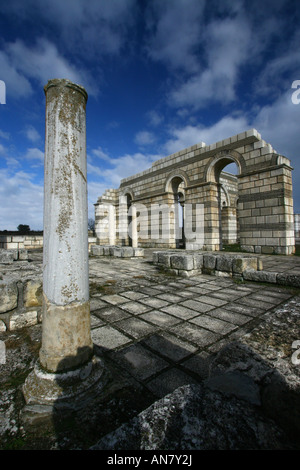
[
  {"x": 106, "y": 250},
  {"x": 209, "y": 261},
  {"x": 21, "y": 320},
  {"x": 224, "y": 263},
  {"x": 23, "y": 254},
  {"x": 97, "y": 250},
  {"x": 139, "y": 252},
  {"x": 164, "y": 258},
  {"x": 260, "y": 276},
  {"x": 288, "y": 279},
  {"x": 33, "y": 293},
  {"x": 239, "y": 265},
  {"x": 184, "y": 262},
  {"x": 198, "y": 262},
  {"x": 8, "y": 296},
  {"x": 116, "y": 251},
  {"x": 127, "y": 252},
  {"x": 6, "y": 257}
]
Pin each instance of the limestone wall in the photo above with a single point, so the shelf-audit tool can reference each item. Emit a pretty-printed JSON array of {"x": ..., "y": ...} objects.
[
  {"x": 16, "y": 242},
  {"x": 20, "y": 296},
  {"x": 28, "y": 242},
  {"x": 259, "y": 215},
  {"x": 297, "y": 229}
]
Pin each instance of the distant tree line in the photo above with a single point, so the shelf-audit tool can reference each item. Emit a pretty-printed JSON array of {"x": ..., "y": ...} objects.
[{"x": 24, "y": 229}]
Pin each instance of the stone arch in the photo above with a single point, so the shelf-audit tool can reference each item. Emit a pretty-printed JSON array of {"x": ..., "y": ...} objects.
[
  {"x": 226, "y": 217},
  {"x": 173, "y": 175},
  {"x": 127, "y": 191},
  {"x": 175, "y": 185},
  {"x": 226, "y": 195},
  {"x": 219, "y": 161}
]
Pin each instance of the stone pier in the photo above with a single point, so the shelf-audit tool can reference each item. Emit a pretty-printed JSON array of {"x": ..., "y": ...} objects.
[{"x": 66, "y": 357}]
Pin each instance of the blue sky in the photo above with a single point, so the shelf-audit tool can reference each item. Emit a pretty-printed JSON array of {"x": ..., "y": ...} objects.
[{"x": 161, "y": 75}]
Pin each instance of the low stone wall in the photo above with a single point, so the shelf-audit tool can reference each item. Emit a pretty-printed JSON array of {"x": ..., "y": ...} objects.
[
  {"x": 29, "y": 242},
  {"x": 17, "y": 242},
  {"x": 20, "y": 299},
  {"x": 240, "y": 267},
  {"x": 116, "y": 251},
  {"x": 297, "y": 229},
  {"x": 190, "y": 263}
]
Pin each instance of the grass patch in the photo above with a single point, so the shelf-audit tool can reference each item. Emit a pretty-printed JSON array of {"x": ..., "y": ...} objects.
[
  {"x": 235, "y": 248},
  {"x": 107, "y": 288}
]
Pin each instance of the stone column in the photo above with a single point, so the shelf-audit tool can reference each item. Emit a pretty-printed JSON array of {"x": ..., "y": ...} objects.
[
  {"x": 134, "y": 233},
  {"x": 111, "y": 224},
  {"x": 66, "y": 339},
  {"x": 67, "y": 366}
]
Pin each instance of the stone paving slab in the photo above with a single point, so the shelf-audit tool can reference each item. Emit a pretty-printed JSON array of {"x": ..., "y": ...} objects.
[{"x": 164, "y": 330}]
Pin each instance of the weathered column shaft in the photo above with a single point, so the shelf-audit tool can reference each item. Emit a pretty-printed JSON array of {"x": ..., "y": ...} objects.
[{"x": 66, "y": 339}]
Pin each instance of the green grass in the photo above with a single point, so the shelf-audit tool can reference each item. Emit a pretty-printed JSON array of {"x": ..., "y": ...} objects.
[{"x": 234, "y": 248}]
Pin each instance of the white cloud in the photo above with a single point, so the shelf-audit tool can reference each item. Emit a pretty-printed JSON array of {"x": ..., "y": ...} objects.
[
  {"x": 22, "y": 201},
  {"x": 144, "y": 138},
  {"x": 17, "y": 84},
  {"x": 86, "y": 27},
  {"x": 155, "y": 118},
  {"x": 226, "y": 48},
  {"x": 190, "y": 135},
  {"x": 32, "y": 134},
  {"x": 114, "y": 169},
  {"x": 4, "y": 135},
  {"x": 174, "y": 29},
  {"x": 34, "y": 154},
  {"x": 43, "y": 62}
]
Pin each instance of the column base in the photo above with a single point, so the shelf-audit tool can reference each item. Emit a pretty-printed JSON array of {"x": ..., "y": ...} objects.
[{"x": 45, "y": 391}]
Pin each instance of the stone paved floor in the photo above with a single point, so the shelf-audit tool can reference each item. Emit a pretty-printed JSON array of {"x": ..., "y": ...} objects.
[
  {"x": 155, "y": 332},
  {"x": 163, "y": 330}
]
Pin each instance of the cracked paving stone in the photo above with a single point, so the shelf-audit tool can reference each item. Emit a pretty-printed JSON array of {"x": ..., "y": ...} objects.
[
  {"x": 196, "y": 334},
  {"x": 180, "y": 311},
  {"x": 135, "y": 308},
  {"x": 197, "y": 305},
  {"x": 114, "y": 299},
  {"x": 233, "y": 317},
  {"x": 160, "y": 318},
  {"x": 154, "y": 302},
  {"x": 213, "y": 324},
  {"x": 132, "y": 295},
  {"x": 211, "y": 301},
  {"x": 112, "y": 314},
  {"x": 170, "y": 346},
  {"x": 136, "y": 327},
  {"x": 140, "y": 362},
  {"x": 95, "y": 322},
  {"x": 245, "y": 309},
  {"x": 171, "y": 298},
  {"x": 108, "y": 337}
]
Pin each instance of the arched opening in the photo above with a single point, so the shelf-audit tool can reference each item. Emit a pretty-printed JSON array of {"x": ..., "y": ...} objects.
[
  {"x": 177, "y": 186},
  {"x": 226, "y": 177},
  {"x": 129, "y": 218}
]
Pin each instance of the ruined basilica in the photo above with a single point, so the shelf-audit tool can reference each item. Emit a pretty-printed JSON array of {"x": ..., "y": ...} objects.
[{"x": 186, "y": 200}]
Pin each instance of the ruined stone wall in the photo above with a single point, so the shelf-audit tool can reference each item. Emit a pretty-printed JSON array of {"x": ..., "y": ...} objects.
[
  {"x": 262, "y": 214},
  {"x": 20, "y": 295},
  {"x": 297, "y": 229},
  {"x": 16, "y": 242}
]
